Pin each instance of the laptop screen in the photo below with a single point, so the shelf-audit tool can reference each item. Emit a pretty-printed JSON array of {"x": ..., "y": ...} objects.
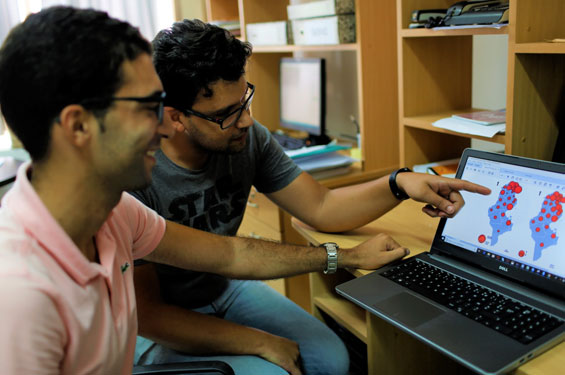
[{"x": 519, "y": 229}]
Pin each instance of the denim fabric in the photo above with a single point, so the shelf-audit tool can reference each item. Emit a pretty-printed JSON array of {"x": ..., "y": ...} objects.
[{"x": 254, "y": 304}]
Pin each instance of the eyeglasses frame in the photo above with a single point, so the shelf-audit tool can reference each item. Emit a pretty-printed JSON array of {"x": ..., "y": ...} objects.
[
  {"x": 153, "y": 98},
  {"x": 220, "y": 121}
]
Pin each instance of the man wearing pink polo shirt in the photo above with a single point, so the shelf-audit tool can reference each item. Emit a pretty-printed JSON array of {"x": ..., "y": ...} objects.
[{"x": 79, "y": 90}]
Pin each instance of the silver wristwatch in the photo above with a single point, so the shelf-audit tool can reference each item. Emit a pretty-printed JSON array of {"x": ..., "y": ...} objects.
[{"x": 331, "y": 249}]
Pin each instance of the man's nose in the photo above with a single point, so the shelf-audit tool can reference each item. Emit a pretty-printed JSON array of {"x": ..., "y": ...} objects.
[{"x": 244, "y": 120}]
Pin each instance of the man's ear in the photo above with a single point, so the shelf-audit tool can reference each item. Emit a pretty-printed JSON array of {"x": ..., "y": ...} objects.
[
  {"x": 76, "y": 124},
  {"x": 174, "y": 116}
]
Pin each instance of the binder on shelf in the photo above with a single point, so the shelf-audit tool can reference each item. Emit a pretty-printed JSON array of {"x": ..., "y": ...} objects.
[
  {"x": 268, "y": 33},
  {"x": 320, "y": 9},
  {"x": 324, "y": 30}
]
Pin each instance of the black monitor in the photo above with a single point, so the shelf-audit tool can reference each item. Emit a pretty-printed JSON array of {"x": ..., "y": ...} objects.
[{"x": 303, "y": 97}]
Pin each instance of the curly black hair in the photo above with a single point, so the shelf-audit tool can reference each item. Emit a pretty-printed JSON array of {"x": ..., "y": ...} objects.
[{"x": 191, "y": 55}]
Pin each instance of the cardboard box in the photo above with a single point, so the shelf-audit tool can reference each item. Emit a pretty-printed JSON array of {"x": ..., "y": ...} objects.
[
  {"x": 320, "y": 9},
  {"x": 324, "y": 30},
  {"x": 268, "y": 33}
]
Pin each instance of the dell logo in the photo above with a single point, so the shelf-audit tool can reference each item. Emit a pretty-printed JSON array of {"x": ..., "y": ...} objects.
[{"x": 502, "y": 268}]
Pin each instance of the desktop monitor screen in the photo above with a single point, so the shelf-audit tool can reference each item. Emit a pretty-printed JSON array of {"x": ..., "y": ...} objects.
[{"x": 302, "y": 95}]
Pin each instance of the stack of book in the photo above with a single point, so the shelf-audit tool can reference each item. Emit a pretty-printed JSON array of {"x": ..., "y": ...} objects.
[
  {"x": 322, "y": 161},
  {"x": 323, "y": 22},
  {"x": 482, "y": 123}
]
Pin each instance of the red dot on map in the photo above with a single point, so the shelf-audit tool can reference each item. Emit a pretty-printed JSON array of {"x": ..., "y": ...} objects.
[
  {"x": 518, "y": 189},
  {"x": 497, "y": 207},
  {"x": 495, "y": 216},
  {"x": 521, "y": 253},
  {"x": 552, "y": 235},
  {"x": 543, "y": 210},
  {"x": 541, "y": 244},
  {"x": 503, "y": 214},
  {"x": 510, "y": 206},
  {"x": 544, "y": 202},
  {"x": 546, "y": 226},
  {"x": 482, "y": 238},
  {"x": 554, "y": 218},
  {"x": 533, "y": 221},
  {"x": 509, "y": 198},
  {"x": 502, "y": 192},
  {"x": 508, "y": 222},
  {"x": 498, "y": 230},
  {"x": 548, "y": 215},
  {"x": 537, "y": 229},
  {"x": 540, "y": 218}
]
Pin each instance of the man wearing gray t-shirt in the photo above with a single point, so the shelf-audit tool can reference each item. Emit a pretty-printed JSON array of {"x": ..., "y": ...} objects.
[{"x": 212, "y": 154}]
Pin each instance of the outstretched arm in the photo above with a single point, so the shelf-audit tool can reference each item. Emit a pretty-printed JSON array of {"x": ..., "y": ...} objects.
[
  {"x": 246, "y": 258},
  {"x": 353, "y": 206}
]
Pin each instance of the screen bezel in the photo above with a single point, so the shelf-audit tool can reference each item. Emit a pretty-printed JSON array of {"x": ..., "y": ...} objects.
[
  {"x": 292, "y": 125},
  {"x": 530, "y": 279}
]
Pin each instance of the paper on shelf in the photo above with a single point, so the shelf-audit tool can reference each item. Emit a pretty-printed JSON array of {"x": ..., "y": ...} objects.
[
  {"x": 479, "y": 26},
  {"x": 320, "y": 162},
  {"x": 467, "y": 127}
]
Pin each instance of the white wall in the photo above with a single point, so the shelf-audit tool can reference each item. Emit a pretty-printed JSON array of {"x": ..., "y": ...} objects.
[{"x": 490, "y": 62}]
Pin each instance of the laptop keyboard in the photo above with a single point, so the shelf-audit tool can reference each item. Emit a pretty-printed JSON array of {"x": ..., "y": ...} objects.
[
  {"x": 288, "y": 142},
  {"x": 494, "y": 310}
]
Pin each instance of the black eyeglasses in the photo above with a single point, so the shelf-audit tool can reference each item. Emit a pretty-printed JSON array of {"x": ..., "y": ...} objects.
[
  {"x": 231, "y": 118},
  {"x": 153, "y": 98}
]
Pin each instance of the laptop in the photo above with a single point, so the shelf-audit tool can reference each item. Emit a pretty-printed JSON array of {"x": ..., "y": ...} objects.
[{"x": 490, "y": 293}]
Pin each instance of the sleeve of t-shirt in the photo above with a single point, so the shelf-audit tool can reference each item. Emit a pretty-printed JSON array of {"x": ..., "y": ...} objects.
[
  {"x": 30, "y": 342},
  {"x": 275, "y": 170},
  {"x": 147, "y": 227}
]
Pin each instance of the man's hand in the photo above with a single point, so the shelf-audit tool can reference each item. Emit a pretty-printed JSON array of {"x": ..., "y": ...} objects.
[
  {"x": 440, "y": 193},
  {"x": 373, "y": 253},
  {"x": 283, "y": 353}
]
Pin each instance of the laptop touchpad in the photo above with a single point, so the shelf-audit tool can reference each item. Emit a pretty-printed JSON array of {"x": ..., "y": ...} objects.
[{"x": 409, "y": 309}]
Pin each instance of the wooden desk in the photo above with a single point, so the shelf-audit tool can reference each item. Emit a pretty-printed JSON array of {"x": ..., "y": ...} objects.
[{"x": 391, "y": 351}]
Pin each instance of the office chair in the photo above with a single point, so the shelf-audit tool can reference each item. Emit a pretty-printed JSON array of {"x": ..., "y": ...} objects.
[{"x": 182, "y": 368}]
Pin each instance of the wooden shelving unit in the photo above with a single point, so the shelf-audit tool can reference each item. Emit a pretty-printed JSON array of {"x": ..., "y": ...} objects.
[
  {"x": 376, "y": 78},
  {"x": 435, "y": 68}
]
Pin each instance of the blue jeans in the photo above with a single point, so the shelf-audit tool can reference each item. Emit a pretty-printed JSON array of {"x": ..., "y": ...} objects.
[{"x": 255, "y": 304}]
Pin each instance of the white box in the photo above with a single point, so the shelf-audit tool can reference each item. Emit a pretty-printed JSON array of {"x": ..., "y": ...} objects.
[
  {"x": 267, "y": 33},
  {"x": 324, "y": 30},
  {"x": 320, "y": 9}
]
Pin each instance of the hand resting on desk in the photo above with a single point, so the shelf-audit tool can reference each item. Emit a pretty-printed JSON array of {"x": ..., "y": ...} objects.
[{"x": 373, "y": 253}]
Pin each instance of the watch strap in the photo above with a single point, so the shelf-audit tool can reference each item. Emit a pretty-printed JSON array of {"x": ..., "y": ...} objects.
[
  {"x": 396, "y": 191},
  {"x": 331, "y": 250}
]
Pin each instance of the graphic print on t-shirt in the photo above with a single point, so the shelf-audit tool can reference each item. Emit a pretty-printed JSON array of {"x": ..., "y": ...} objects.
[{"x": 209, "y": 208}]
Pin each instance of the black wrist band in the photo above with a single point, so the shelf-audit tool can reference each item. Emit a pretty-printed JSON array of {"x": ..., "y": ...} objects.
[{"x": 399, "y": 194}]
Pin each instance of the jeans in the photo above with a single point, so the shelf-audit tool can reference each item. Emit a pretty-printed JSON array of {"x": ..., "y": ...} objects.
[{"x": 255, "y": 304}]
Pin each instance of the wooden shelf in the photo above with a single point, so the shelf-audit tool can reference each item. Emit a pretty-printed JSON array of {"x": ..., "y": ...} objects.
[
  {"x": 419, "y": 33},
  {"x": 425, "y": 122},
  {"x": 295, "y": 48},
  {"x": 353, "y": 318},
  {"x": 541, "y": 47}
]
